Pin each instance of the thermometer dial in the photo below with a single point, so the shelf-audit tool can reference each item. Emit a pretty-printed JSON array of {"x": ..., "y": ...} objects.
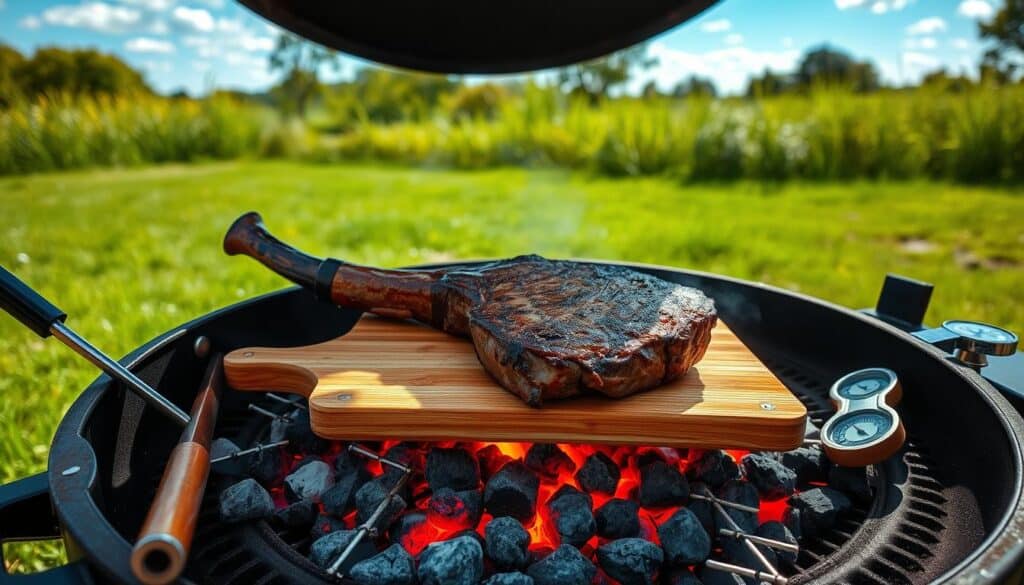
[
  {"x": 866, "y": 429},
  {"x": 982, "y": 338}
]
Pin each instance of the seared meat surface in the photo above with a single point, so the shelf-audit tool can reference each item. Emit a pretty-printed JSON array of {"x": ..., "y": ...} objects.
[{"x": 544, "y": 329}]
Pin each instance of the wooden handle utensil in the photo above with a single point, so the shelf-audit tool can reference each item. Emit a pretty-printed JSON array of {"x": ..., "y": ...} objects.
[{"x": 162, "y": 547}]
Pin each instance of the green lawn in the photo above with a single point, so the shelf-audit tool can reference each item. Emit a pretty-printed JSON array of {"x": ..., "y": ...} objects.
[{"x": 129, "y": 254}]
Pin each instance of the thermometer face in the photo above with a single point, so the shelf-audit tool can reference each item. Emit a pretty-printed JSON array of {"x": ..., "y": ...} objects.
[
  {"x": 867, "y": 383},
  {"x": 980, "y": 331},
  {"x": 860, "y": 428}
]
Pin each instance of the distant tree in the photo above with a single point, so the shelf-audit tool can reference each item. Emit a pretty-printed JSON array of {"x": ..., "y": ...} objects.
[
  {"x": 827, "y": 66},
  {"x": 595, "y": 79},
  {"x": 387, "y": 96},
  {"x": 695, "y": 86},
  {"x": 52, "y": 69},
  {"x": 942, "y": 80},
  {"x": 650, "y": 90},
  {"x": 11, "y": 61},
  {"x": 476, "y": 101},
  {"x": 1006, "y": 29},
  {"x": 300, "y": 61},
  {"x": 769, "y": 84}
]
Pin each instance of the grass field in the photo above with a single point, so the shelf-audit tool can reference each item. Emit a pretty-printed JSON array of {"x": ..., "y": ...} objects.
[{"x": 131, "y": 253}]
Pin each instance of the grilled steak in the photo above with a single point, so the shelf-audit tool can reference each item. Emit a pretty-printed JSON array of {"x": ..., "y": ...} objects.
[{"x": 542, "y": 328}]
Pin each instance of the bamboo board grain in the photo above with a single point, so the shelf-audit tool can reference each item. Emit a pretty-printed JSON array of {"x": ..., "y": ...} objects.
[{"x": 398, "y": 379}]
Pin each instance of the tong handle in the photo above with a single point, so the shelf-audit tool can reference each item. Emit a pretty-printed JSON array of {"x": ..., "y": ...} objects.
[{"x": 26, "y": 305}]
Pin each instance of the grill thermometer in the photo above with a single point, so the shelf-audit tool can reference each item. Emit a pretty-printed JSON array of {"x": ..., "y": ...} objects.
[{"x": 866, "y": 428}]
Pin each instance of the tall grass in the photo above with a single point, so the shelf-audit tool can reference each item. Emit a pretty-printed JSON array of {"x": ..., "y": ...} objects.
[{"x": 975, "y": 136}]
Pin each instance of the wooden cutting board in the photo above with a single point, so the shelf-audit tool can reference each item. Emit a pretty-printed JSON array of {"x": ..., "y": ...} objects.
[{"x": 398, "y": 379}]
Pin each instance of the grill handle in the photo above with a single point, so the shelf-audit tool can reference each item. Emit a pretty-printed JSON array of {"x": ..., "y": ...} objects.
[
  {"x": 26, "y": 515},
  {"x": 26, "y": 305}
]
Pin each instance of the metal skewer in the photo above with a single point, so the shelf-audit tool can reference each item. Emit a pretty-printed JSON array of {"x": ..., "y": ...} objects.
[
  {"x": 368, "y": 527},
  {"x": 256, "y": 449},
  {"x": 725, "y": 503},
  {"x": 283, "y": 400},
  {"x": 760, "y": 576},
  {"x": 750, "y": 546},
  {"x": 769, "y": 542},
  {"x": 269, "y": 414}
]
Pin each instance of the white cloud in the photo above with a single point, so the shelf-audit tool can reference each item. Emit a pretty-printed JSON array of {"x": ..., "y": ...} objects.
[
  {"x": 30, "y": 22},
  {"x": 876, "y": 6},
  {"x": 730, "y": 68},
  {"x": 734, "y": 39},
  {"x": 196, "y": 19},
  {"x": 215, "y": 4},
  {"x": 979, "y": 9},
  {"x": 716, "y": 26},
  {"x": 926, "y": 43},
  {"x": 879, "y": 8},
  {"x": 846, "y": 4},
  {"x": 917, "y": 64},
  {"x": 961, "y": 44},
  {"x": 95, "y": 16},
  {"x": 147, "y": 45},
  {"x": 927, "y": 26},
  {"x": 152, "y": 5}
]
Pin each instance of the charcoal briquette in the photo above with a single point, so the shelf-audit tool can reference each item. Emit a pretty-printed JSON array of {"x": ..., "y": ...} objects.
[
  {"x": 279, "y": 429},
  {"x": 599, "y": 474},
  {"x": 222, "y": 447},
  {"x": 778, "y": 531},
  {"x": 739, "y": 492},
  {"x": 309, "y": 481},
  {"x": 513, "y": 578},
  {"x": 245, "y": 500},
  {"x": 738, "y": 552},
  {"x": 808, "y": 463},
  {"x": 572, "y": 512},
  {"x": 299, "y": 514},
  {"x": 305, "y": 460},
  {"x": 340, "y": 498},
  {"x": 370, "y": 496},
  {"x": 265, "y": 466},
  {"x": 631, "y": 561},
  {"x": 565, "y": 566},
  {"x": 548, "y": 460},
  {"x": 454, "y": 510},
  {"x": 491, "y": 460},
  {"x": 662, "y": 486},
  {"x": 618, "y": 518},
  {"x": 684, "y": 539},
  {"x": 819, "y": 509},
  {"x": 679, "y": 576},
  {"x": 852, "y": 481},
  {"x": 459, "y": 561},
  {"x": 326, "y": 549},
  {"x": 702, "y": 509},
  {"x": 453, "y": 468},
  {"x": 325, "y": 524},
  {"x": 507, "y": 543},
  {"x": 512, "y": 491},
  {"x": 393, "y": 566},
  {"x": 300, "y": 435},
  {"x": 713, "y": 467},
  {"x": 769, "y": 476},
  {"x": 791, "y": 520},
  {"x": 401, "y": 528}
]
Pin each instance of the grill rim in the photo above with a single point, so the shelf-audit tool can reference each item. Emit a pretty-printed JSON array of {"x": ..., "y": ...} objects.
[{"x": 999, "y": 556}]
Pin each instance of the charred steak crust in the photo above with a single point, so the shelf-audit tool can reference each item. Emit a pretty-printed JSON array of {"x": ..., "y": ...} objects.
[{"x": 547, "y": 329}]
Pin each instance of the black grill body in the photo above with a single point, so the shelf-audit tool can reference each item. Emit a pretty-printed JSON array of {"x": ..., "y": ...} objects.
[{"x": 947, "y": 508}]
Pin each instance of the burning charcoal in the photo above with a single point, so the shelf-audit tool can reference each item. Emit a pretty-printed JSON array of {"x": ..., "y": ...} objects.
[
  {"x": 772, "y": 479},
  {"x": 491, "y": 460},
  {"x": 618, "y": 518},
  {"x": 512, "y": 492},
  {"x": 599, "y": 474},
  {"x": 340, "y": 498},
  {"x": 662, "y": 486},
  {"x": 685, "y": 541},
  {"x": 572, "y": 511},
  {"x": 245, "y": 500},
  {"x": 791, "y": 520},
  {"x": 809, "y": 463},
  {"x": 548, "y": 460},
  {"x": 680, "y": 576},
  {"x": 452, "y": 468},
  {"x": 265, "y": 466},
  {"x": 406, "y": 524},
  {"x": 455, "y": 510},
  {"x": 406, "y": 454},
  {"x": 565, "y": 566},
  {"x": 370, "y": 496},
  {"x": 326, "y": 524},
  {"x": 737, "y": 552},
  {"x": 710, "y": 576},
  {"x": 394, "y": 566},
  {"x": 713, "y": 467},
  {"x": 305, "y": 460},
  {"x": 819, "y": 509},
  {"x": 300, "y": 435},
  {"x": 631, "y": 561},
  {"x": 309, "y": 482},
  {"x": 325, "y": 549},
  {"x": 702, "y": 509},
  {"x": 459, "y": 561},
  {"x": 514, "y": 578},
  {"x": 739, "y": 492},
  {"x": 301, "y": 514},
  {"x": 852, "y": 481},
  {"x": 507, "y": 542},
  {"x": 778, "y": 531},
  {"x": 279, "y": 429},
  {"x": 223, "y": 447}
]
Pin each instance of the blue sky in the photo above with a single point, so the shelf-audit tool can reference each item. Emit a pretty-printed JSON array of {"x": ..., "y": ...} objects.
[{"x": 202, "y": 44}]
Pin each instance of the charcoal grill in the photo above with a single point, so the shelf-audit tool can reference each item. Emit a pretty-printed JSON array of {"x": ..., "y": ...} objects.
[{"x": 947, "y": 508}]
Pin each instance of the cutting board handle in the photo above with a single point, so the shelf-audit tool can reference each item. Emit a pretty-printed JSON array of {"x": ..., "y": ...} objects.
[{"x": 249, "y": 369}]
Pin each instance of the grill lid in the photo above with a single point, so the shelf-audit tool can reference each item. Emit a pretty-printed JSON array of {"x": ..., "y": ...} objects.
[{"x": 468, "y": 36}]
